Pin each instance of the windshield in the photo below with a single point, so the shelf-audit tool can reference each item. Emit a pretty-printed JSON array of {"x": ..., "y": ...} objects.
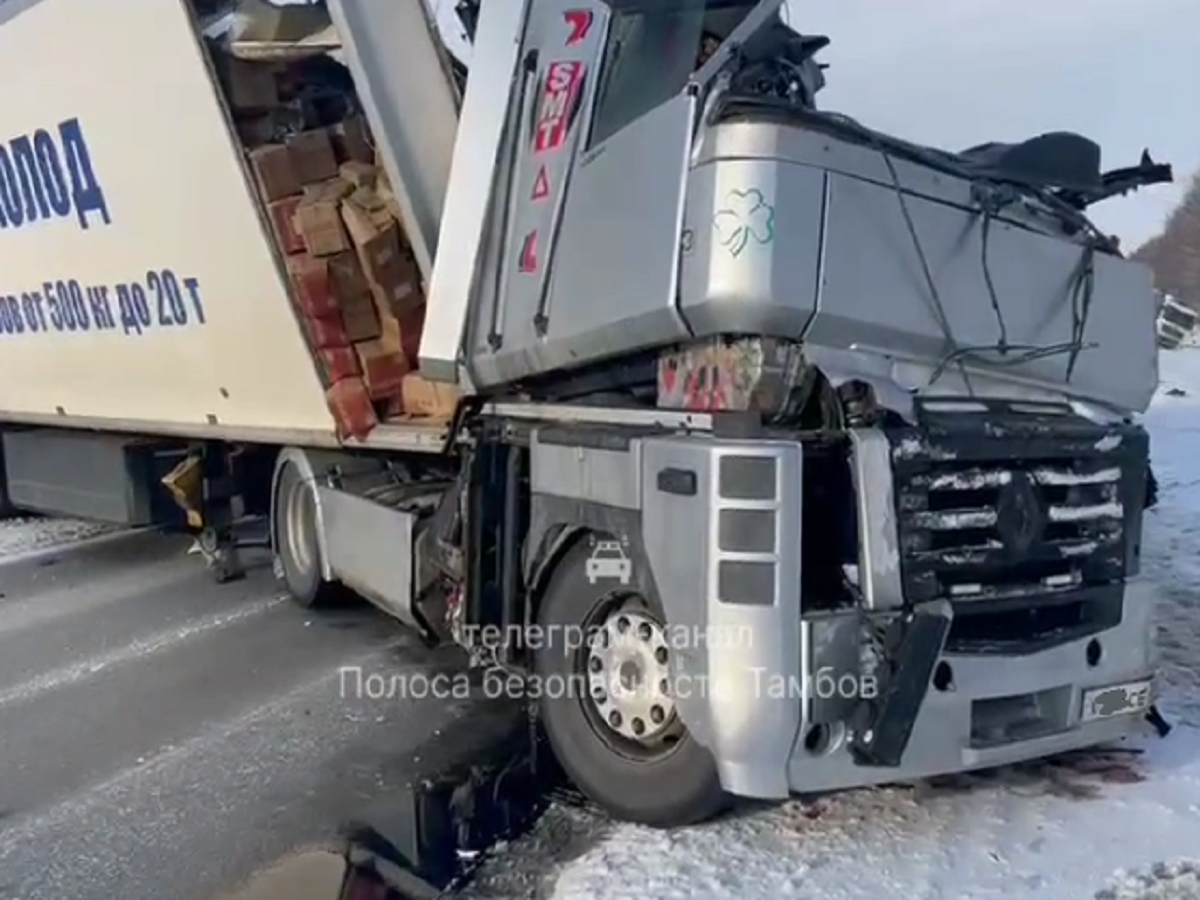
[{"x": 653, "y": 49}]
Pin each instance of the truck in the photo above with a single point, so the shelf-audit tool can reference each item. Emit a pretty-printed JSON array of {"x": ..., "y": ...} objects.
[
  {"x": 1177, "y": 323},
  {"x": 799, "y": 457}
]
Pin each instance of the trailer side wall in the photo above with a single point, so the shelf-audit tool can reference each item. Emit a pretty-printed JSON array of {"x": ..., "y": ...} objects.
[{"x": 139, "y": 283}]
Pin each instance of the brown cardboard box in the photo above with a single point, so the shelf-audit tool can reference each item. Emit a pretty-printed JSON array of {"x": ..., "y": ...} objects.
[
  {"x": 365, "y": 216},
  {"x": 389, "y": 201},
  {"x": 370, "y": 199},
  {"x": 391, "y": 271},
  {"x": 422, "y": 397},
  {"x": 319, "y": 221},
  {"x": 360, "y": 319},
  {"x": 326, "y": 332},
  {"x": 346, "y": 277},
  {"x": 403, "y": 332},
  {"x": 256, "y": 131},
  {"x": 249, "y": 86},
  {"x": 283, "y": 213},
  {"x": 351, "y": 407},
  {"x": 338, "y": 363},
  {"x": 335, "y": 188},
  {"x": 358, "y": 174},
  {"x": 314, "y": 293},
  {"x": 351, "y": 140},
  {"x": 312, "y": 156},
  {"x": 272, "y": 167},
  {"x": 383, "y": 369}
]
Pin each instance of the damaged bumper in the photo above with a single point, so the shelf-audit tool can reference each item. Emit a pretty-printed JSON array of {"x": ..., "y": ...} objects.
[
  {"x": 977, "y": 711},
  {"x": 997, "y": 710}
]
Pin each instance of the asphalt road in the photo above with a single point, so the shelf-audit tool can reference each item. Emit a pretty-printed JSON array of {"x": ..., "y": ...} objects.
[{"x": 163, "y": 736}]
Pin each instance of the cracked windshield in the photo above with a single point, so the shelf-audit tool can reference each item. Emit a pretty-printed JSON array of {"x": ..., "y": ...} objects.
[{"x": 599, "y": 450}]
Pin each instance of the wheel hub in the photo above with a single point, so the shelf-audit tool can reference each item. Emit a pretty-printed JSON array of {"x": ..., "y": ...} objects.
[
  {"x": 629, "y": 678},
  {"x": 300, "y": 526}
]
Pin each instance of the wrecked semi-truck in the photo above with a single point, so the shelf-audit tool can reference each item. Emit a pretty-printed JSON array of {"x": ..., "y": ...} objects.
[{"x": 800, "y": 457}]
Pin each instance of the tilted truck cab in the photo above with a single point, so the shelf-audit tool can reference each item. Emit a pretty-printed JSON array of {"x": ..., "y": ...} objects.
[{"x": 790, "y": 456}]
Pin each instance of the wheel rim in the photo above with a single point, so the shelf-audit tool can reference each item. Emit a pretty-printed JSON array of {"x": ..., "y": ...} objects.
[
  {"x": 629, "y": 701},
  {"x": 301, "y": 529}
]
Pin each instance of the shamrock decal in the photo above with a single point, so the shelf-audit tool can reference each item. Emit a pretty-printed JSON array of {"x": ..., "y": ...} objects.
[{"x": 747, "y": 215}]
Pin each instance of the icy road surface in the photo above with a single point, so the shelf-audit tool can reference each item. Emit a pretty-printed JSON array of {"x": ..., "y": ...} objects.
[
  {"x": 164, "y": 737},
  {"x": 1120, "y": 827}
]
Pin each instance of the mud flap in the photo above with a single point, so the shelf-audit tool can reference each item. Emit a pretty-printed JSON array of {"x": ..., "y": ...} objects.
[
  {"x": 884, "y": 724},
  {"x": 488, "y": 788}
]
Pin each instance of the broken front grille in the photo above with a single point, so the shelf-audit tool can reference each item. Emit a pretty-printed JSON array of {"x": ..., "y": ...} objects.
[{"x": 999, "y": 510}]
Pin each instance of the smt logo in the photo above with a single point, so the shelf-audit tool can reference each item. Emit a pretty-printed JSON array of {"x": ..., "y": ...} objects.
[{"x": 564, "y": 81}]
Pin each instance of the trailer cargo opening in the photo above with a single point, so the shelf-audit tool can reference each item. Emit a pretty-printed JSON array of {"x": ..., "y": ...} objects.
[{"x": 793, "y": 453}]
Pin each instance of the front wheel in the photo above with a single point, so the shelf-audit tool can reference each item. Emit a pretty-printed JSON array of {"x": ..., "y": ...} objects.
[{"x": 614, "y": 726}]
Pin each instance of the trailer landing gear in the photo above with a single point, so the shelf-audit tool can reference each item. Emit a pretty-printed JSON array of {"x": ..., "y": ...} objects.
[{"x": 205, "y": 486}]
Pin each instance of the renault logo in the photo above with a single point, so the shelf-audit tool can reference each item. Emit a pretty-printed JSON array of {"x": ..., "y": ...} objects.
[{"x": 1020, "y": 516}]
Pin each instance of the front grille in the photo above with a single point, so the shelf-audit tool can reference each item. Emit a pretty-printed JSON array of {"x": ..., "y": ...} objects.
[{"x": 993, "y": 510}]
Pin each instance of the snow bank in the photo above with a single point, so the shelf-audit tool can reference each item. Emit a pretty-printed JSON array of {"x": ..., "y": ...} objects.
[
  {"x": 22, "y": 536},
  {"x": 1178, "y": 370},
  {"x": 1044, "y": 832}
]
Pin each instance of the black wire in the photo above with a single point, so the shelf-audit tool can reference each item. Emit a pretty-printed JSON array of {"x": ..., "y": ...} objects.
[
  {"x": 939, "y": 309},
  {"x": 989, "y": 208},
  {"x": 1082, "y": 292}
]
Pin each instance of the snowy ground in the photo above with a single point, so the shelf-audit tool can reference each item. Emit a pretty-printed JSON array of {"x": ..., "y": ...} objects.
[{"x": 1118, "y": 827}]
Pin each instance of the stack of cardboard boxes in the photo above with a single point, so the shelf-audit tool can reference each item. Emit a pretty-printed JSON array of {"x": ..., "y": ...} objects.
[{"x": 355, "y": 281}]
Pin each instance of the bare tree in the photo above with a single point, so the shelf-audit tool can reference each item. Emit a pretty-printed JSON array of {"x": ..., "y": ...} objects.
[{"x": 1174, "y": 255}]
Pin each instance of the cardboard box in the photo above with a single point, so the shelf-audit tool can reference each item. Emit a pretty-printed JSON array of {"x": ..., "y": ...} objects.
[
  {"x": 319, "y": 221},
  {"x": 272, "y": 167},
  {"x": 403, "y": 332},
  {"x": 312, "y": 156},
  {"x": 346, "y": 277},
  {"x": 248, "y": 86},
  {"x": 389, "y": 201},
  {"x": 360, "y": 320},
  {"x": 256, "y": 131},
  {"x": 351, "y": 140},
  {"x": 383, "y": 369},
  {"x": 350, "y": 405},
  {"x": 326, "y": 332},
  {"x": 391, "y": 271},
  {"x": 422, "y": 397},
  {"x": 365, "y": 216},
  {"x": 314, "y": 291},
  {"x": 358, "y": 174},
  {"x": 283, "y": 213},
  {"x": 335, "y": 188},
  {"x": 338, "y": 363}
]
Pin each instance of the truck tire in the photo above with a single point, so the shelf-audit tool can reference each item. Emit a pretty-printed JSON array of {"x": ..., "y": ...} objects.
[
  {"x": 631, "y": 755},
  {"x": 297, "y": 551}
]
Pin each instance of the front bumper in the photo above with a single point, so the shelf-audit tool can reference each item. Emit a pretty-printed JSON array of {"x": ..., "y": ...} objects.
[{"x": 999, "y": 710}]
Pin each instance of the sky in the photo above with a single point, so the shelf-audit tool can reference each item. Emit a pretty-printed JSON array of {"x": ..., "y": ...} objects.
[{"x": 955, "y": 73}]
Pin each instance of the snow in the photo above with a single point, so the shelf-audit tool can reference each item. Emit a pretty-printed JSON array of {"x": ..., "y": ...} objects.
[
  {"x": 20, "y": 537},
  {"x": 1120, "y": 826}
]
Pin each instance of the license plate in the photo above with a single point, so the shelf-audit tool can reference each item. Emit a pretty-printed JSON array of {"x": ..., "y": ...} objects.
[{"x": 1116, "y": 700}]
